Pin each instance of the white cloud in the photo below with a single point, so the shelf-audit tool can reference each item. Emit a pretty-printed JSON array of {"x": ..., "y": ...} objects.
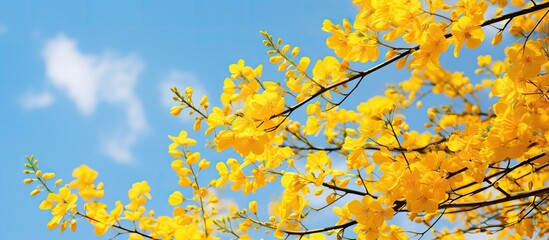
[
  {"x": 73, "y": 72},
  {"x": 118, "y": 147},
  {"x": 31, "y": 100},
  {"x": 89, "y": 79},
  {"x": 181, "y": 80}
]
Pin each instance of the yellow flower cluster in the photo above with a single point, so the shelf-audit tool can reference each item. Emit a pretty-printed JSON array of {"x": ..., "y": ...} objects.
[{"x": 480, "y": 157}]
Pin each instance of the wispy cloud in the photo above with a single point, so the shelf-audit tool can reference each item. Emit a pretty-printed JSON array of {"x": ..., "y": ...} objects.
[
  {"x": 181, "y": 79},
  {"x": 72, "y": 72},
  {"x": 32, "y": 100},
  {"x": 89, "y": 79}
]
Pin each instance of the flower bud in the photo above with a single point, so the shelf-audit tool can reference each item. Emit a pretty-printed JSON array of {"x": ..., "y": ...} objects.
[
  {"x": 175, "y": 110},
  {"x": 253, "y": 207},
  {"x": 48, "y": 176},
  {"x": 34, "y": 192}
]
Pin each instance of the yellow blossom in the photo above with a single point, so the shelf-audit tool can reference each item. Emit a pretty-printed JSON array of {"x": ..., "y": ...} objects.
[
  {"x": 465, "y": 31},
  {"x": 182, "y": 139},
  {"x": 253, "y": 207},
  {"x": 176, "y": 198},
  {"x": 84, "y": 182}
]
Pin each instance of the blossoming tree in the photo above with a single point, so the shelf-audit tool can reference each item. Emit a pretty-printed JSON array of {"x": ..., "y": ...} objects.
[{"x": 480, "y": 160}]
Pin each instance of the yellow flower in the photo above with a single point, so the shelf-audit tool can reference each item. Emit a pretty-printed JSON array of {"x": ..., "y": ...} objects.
[
  {"x": 365, "y": 48},
  {"x": 203, "y": 164},
  {"x": 176, "y": 198},
  {"x": 343, "y": 213},
  {"x": 139, "y": 189},
  {"x": 263, "y": 106},
  {"x": 366, "y": 231},
  {"x": 484, "y": 60},
  {"x": 434, "y": 43},
  {"x": 473, "y": 9},
  {"x": 138, "y": 195},
  {"x": 182, "y": 139},
  {"x": 313, "y": 126},
  {"x": 253, "y": 207},
  {"x": 526, "y": 60},
  {"x": 224, "y": 139},
  {"x": 173, "y": 151},
  {"x": 327, "y": 71},
  {"x": 421, "y": 199},
  {"x": 338, "y": 41},
  {"x": 219, "y": 117},
  {"x": 229, "y": 89},
  {"x": 193, "y": 158},
  {"x": 104, "y": 220},
  {"x": 183, "y": 174},
  {"x": 370, "y": 212},
  {"x": 236, "y": 69},
  {"x": 468, "y": 33},
  {"x": 236, "y": 175},
  {"x": 223, "y": 174},
  {"x": 239, "y": 70},
  {"x": 393, "y": 232},
  {"x": 190, "y": 231},
  {"x": 247, "y": 138},
  {"x": 84, "y": 182},
  {"x": 317, "y": 161},
  {"x": 59, "y": 204}
]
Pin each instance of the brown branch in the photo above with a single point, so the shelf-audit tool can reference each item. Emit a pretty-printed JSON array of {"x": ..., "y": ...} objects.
[
  {"x": 375, "y": 148},
  {"x": 325, "y": 229},
  {"x": 516, "y": 14},
  {"x": 505, "y": 171},
  {"x": 351, "y": 191},
  {"x": 307, "y": 148},
  {"x": 116, "y": 226},
  {"x": 513, "y": 207},
  {"x": 512, "y": 197}
]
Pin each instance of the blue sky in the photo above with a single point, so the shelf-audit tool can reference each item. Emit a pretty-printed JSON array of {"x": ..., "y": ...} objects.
[{"x": 86, "y": 82}]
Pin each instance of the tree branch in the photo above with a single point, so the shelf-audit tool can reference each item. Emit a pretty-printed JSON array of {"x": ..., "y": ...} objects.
[
  {"x": 325, "y": 229},
  {"x": 512, "y": 197}
]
